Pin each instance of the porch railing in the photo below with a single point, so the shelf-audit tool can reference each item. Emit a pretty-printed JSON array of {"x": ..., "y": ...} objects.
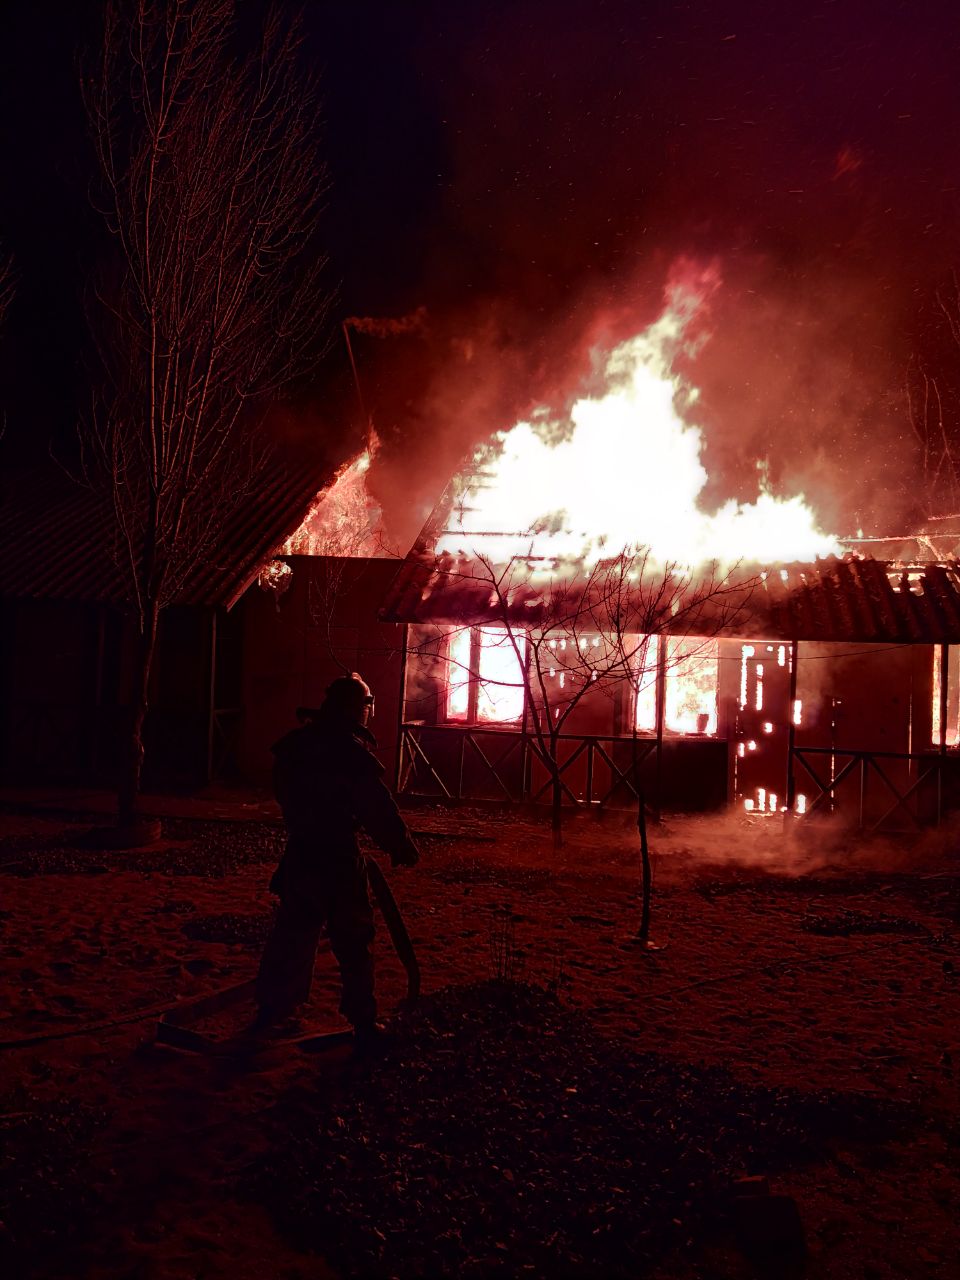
[
  {"x": 462, "y": 762},
  {"x": 849, "y": 768},
  {"x": 515, "y": 767}
]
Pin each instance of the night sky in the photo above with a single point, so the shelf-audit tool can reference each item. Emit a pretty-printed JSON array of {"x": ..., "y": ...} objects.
[{"x": 529, "y": 172}]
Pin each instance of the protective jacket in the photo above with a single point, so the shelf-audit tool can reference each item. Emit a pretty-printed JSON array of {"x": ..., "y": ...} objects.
[{"x": 330, "y": 785}]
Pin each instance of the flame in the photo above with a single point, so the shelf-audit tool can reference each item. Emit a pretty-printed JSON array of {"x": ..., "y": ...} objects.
[
  {"x": 343, "y": 520},
  {"x": 623, "y": 472}
]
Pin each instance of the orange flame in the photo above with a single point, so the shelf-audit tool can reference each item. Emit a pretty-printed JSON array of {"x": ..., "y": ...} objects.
[
  {"x": 623, "y": 472},
  {"x": 343, "y": 520}
]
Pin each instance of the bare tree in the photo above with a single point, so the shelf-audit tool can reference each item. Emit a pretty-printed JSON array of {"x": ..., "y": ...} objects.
[
  {"x": 581, "y": 632},
  {"x": 933, "y": 410},
  {"x": 6, "y": 297},
  {"x": 212, "y": 188},
  {"x": 939, "y": 473}
]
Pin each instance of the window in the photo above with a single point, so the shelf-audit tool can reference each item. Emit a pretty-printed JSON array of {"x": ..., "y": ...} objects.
[
  {"x": 459, "y": 644},
  {"x": 485, "y": 676},
  {"x": 646, "y": 666},
  {"x": 693, "y": 670},
  {"x": 500, "y": 691},
  {"x": 692, "y": 678},
  {"x": 952, "y": 736}
]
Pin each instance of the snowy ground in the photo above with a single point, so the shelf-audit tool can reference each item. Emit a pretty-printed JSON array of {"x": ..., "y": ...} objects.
[{"x": 588, "y": 1116}]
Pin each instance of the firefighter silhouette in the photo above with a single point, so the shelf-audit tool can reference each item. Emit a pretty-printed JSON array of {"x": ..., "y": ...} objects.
[{"x": 329, "y": 785}]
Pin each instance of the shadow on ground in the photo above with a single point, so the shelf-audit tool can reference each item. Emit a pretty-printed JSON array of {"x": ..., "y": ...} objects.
[{"x": 500, "y": 1136}]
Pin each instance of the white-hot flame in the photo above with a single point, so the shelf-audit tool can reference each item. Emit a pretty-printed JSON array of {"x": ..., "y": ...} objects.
[{"x": 623, "y": 472}]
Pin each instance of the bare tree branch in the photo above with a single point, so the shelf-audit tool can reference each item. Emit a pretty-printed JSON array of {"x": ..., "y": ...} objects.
[
  {"x": 211, "y": 187},
  {"x": 6, "y": 287},
  {"x": 576, "y": 630}
]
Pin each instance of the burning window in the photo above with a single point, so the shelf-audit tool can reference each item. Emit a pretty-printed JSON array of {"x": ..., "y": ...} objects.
[
  {"x": 500, "y": 688},
  {"x": 692, "y": 678},
  {"x": 646, "y": 666},
  {"x": 485, "y": 676},
  {"x": 459, "y": 645},
  {"x": 952, "y": 727},
  {"x": 693, "y": 672}
]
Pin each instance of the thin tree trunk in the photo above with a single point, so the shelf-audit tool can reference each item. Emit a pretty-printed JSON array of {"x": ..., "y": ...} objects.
[
  {"x": 556, "y": 814},
  {"x": 556, "y": 795},
  {"x": 646, "y": 877},
  {"x": 129, "y": 790}
]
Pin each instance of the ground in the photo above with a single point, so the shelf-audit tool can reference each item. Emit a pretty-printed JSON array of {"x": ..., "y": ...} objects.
[{"x": 558, "y": 1102}]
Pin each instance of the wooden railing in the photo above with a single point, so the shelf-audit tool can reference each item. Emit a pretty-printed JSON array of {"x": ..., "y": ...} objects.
[
  {"x": 860, "y": 768},
  {"x": 600, "y": 771},
  {"x": 517, "y": 768}
]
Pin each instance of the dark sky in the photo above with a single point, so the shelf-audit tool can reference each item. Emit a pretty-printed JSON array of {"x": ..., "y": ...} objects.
[{"x": 528, "y": 172}]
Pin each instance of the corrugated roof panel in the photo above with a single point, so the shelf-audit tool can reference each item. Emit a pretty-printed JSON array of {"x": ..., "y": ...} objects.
[
  {"x": 854, "y": 599},
  {"x": 59, "y": 540},
  {"x": 866, "y": 595},
  {"x": 944, "y": 594}
]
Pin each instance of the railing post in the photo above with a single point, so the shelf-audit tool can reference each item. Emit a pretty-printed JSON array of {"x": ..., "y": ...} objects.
[
  {"x": 944, "y": 695},
  {"x": 661, "y": 711},
  {"x": 401, "y": 707},
  {"x": 526, "y": 767},
  {"x": 590, "y": 747},
  {"x": 792, "y": 727},
  {"x": 404, "y": 751},
  {"x": 863, "y": 790}
]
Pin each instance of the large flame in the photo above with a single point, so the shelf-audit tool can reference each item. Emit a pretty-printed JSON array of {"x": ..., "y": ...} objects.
[
  {"x": 343, "y": 520},
  {"x": 622, "y": 472}
]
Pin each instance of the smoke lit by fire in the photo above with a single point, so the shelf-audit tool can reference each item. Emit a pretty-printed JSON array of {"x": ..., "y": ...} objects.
[{"x": 622, "y": 470}]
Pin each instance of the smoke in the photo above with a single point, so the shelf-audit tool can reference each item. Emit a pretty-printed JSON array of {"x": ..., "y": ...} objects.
[
  {"x": 576, "y": 151},
  {"x": 388, "y": 328},
  {"x": 803, "y": 846},
  {"x": 801, "y": 381},
  {"x": 798, "y": 383}
]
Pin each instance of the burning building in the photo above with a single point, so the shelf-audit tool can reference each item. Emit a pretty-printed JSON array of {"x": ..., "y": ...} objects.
[
  {"x": 572, "y": 623},
  {"x": 578, "y": 626}
]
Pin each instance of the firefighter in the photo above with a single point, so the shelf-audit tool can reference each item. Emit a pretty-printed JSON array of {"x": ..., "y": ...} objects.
[{"x": 329, "y": 784}]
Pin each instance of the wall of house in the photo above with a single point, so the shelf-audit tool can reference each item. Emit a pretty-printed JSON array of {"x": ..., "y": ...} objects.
[
  {"x": 323, "y": 626},
  {"x": 64, "y": 694},
  {"x": 477, "y": 759},
  {"x": 853, "y": 697},
  {"x": 65, "y": 666},
  {"x": 48, "y": 698},
  {"x": 864, "y": 697}
]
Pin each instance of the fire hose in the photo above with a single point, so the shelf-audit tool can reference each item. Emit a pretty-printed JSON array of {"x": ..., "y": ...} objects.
[{"x": 396, "y": 926}]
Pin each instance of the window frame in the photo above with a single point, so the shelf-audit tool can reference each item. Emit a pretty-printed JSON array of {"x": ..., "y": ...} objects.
[
  {"x": 474, "y": 680},
  {"x": 671, "y": 665}
]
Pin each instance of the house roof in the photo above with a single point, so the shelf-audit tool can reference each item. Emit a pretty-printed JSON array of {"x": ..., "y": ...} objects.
[
  {"x": 58, "y": 539},
  {"x": 850, "y": 599},
  {"x": 909, "y": 598}
]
